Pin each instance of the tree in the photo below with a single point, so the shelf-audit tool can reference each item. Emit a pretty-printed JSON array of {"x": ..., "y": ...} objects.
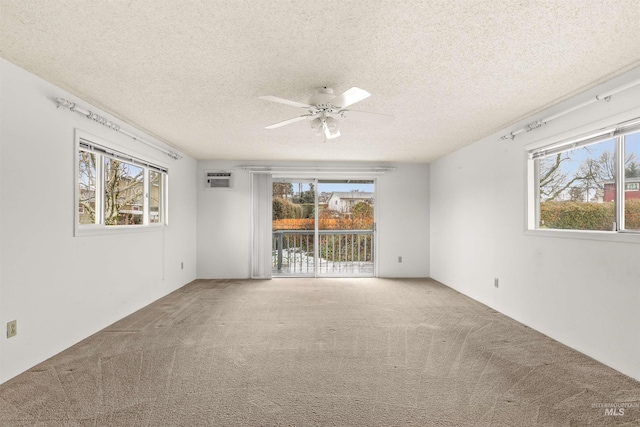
[
  {"x": 282, "y": 189},
  {"x": 362, "y": 210},
  {"x": 632, "y": 168},
  {"x": 362, "y": 216},
  {"x": 123, "y": 190},
  {"x": 607, "y": 165},
  {"x": 577, "y": 194},
  {"x": 328, "y": 214},
  {"x": 87, "y": 187},
  {"x": 553, "y": 181},
  {"x": 591, "y": 174},
  {"x": 594, "y": 173},
  {"x": 308, "y": 196}
]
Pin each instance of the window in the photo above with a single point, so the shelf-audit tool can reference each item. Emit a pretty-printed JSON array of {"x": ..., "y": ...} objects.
[
  {"x": 123, "y": 192},
  {"x": 155, "y": 196},
  {"x": 116, "y": 190},
  {"x": 590, "y": 182},
  {"x": 631, "y": 206}
]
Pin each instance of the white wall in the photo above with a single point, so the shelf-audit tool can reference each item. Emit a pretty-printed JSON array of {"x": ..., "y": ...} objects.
[
  {"x": 583, "y": 293},
  {"x": 224, "y": 218},
  {"x": 224, "y": 225},
  {"x": 403, "y": 221},
  {"x": 58, "y": 287}
]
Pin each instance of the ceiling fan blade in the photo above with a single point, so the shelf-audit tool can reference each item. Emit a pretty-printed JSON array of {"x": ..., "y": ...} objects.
[
  {"x": 284, "y": 101},
  {"x": 327, "y": 132},
  {"x": 378, "y": 117},
  {"x": 349, "y": 97},
  {"x": 286, "y": 122}
]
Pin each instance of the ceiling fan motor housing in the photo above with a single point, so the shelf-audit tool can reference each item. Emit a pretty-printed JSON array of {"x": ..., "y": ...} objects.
[{"x": 322, "y": 97}]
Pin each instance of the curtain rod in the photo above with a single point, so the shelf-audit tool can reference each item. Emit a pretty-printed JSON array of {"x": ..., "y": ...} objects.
[
  {"x": 315, "y": 169},
  {"x": 112, "y": 125},
  {"x": 539, "y": 123}
]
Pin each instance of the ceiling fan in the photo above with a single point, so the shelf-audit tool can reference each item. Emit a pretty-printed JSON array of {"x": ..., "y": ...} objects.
[{"x": 325, "y": 110}]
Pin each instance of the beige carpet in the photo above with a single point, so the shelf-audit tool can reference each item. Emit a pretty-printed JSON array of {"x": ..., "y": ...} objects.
[{"x": 319, "y": 352}]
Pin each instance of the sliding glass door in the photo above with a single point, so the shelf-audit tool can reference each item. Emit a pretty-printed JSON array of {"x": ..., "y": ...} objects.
[
  {"x": 346, "y": 228},
  {"x": 293, "y": 227},
  {"x": 323, "y": 228}
]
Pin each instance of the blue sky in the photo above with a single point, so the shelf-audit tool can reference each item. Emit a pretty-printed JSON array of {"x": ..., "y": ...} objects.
[
  {"x": 329, "y": 188},
  {"x": 332, "y": 187},
  {"x": 577, "y": 156}
]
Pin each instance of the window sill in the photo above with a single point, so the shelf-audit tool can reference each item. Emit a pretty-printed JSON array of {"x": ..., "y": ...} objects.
[
  {"x": 606, "y": 236},
  {"x": 116, "y": 229}
]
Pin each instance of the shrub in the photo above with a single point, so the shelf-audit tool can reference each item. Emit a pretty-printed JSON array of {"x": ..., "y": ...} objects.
[
  {"x": 632, "y": 214},
  {"x": 284, "y": 209},
  {"x": 587, "y": 216},
  {"x": 577, "y": 216}
]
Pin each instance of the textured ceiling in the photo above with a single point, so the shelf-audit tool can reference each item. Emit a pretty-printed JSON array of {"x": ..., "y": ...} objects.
[{"x": 451, "y": 72}]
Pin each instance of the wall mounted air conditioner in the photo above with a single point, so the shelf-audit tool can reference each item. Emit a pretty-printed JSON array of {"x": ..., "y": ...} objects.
[{"x": 217, "y": 180}]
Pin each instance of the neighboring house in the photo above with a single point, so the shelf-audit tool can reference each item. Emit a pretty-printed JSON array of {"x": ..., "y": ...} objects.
[
  {"x": 599, "y": 196},
  {"x": 631, "y": 189},
  {"x": 323, "y": 197},
  {"x": 343, "y": 201}
]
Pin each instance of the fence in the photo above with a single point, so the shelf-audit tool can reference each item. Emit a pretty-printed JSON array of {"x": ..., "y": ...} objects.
[
  {"x": 323, "y": 224},
  {"x": 341, "y": 252}
]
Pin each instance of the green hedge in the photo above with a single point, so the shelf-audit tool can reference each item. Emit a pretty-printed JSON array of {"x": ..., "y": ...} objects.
[
  {"x": 587, "y": 216},
  {"x": 284, "y": 209},
  {"x": 632, "y": 214}
]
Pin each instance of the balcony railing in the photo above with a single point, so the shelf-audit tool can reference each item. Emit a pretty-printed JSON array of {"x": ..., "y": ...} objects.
[{"x": 341, "y": 253}]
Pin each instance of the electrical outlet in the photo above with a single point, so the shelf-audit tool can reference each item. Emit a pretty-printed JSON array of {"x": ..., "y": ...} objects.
[
  {"x": 182, "y": 266},
  {"x": 399, "y": 259},
  {"x": 495, "y": 282},
  {"x": 12, "y": 328}
]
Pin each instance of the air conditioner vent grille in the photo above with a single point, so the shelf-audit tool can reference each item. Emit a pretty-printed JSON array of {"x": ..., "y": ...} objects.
[{"x": 217, "y": 179}]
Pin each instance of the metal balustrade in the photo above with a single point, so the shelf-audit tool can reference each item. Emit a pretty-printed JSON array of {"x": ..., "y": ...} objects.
[{"x": 341, "y": 253}]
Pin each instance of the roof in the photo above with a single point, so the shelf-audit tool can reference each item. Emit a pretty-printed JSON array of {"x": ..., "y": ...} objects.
[{"x": 352, "y": 194}]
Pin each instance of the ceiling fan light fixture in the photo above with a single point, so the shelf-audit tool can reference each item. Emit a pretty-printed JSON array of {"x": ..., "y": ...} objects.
[
  {"x": 326, "y": 126},
  {"x": 316, "y": 125},
  {"x": 332, "y": 124},
  {"x": 328, "y": 132}
]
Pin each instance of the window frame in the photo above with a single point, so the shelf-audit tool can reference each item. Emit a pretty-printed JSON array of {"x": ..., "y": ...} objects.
[
  {"x": 601, "y": 129},
  {"x": 631, "y": 186},
  {"x": 103, "y": 149}
]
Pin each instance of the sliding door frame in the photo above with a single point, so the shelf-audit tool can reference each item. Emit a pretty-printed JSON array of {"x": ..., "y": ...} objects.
[{"x": 312, "y": 178}]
